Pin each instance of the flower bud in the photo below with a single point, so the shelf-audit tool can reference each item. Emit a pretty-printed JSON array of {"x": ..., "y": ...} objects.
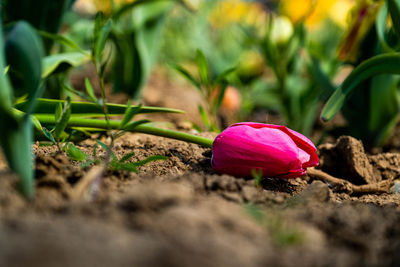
[
  {"x": 274, "y": 149},
  {"x": 281, "y": 30}
]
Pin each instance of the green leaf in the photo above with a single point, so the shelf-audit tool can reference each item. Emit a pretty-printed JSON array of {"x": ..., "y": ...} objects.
[
  {"x": 204, "y": 117},
  {"x": 257, "y": 175},
  {"x": 104, "y": 146},
  {"x": 188, "y": 76},
  {"x": 380, "y": 25},
  {"x": 94, "y": 154},
  {"x": 320, "y": 77},
  {"x": 60, "y": 62},
  {"x": 101, "y": 32},
  {"x": 48, "y": 135},
  {"x": 58, "y": 112},
  {"x": 381, "y": 64},
  {"x": 127, "y": 157},
  {"x": 24, "y": 52},
  {"x": 128, "y": 7},
  {"x": 85, "y": 109},
  {"x": 6, "y": 91},
  {"x": 62, "y": 40},
  {"x": 131, "y": 126},
  {"x": 224, "y": 74},
  {"x": 130, "y": 112},
  {"x": 76, "y": 92},
  {"x": 221, "y": 93},
  {"x": 138, "y": 45},
  {"x": 394, "y": 9},
  {"x": 149, "y": 159},
  {"x": 44, "y": 15},
  {"x": 75, "y": 153},
  {"x": 384, "y": 106},
  {"x": 90, "y": 91},
  {"x": 16, "y": 145},
  {"x": 62, "y": 118},
  {"x": 123, "y": 166},
  {"x": 202, "y": 65}
]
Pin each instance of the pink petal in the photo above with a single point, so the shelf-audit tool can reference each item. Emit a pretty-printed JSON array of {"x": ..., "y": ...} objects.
[
  {"x": 239, "y": 149},
  {"x": 301, "y": 141}
]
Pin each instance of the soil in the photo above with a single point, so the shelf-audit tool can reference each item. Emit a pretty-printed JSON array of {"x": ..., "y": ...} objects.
[{"x": 178, "y": 212}]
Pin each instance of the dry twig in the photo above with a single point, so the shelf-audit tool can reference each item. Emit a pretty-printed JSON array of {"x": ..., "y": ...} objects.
[
  {"x": 84, "y": 184},
  {"x": 344, "y": 185}
]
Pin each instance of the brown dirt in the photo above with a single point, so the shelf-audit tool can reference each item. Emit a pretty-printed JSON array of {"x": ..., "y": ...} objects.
[{"x": 178, "y": 212}]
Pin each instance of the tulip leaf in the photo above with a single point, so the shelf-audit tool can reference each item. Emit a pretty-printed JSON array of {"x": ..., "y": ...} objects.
[
  {"x": 24, "y": 52},
  {"x": 381, "y": 64},
  {"x": 394, "y": 9},
  {"x": 380, "y": 25},
  {"x": 86, "y": 109},
  {"x": 384, "y": 106},
  {"x": 60, "y": 62},
  {"x": 62, "y": 40},
  {"x": 137, "y": 46}
]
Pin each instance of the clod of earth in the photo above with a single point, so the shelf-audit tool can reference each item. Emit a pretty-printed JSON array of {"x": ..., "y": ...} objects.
[{"x": 359, "y": 172}]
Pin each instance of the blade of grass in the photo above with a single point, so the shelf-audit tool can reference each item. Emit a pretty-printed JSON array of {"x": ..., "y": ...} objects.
[
  {"x": 202, "y": 65},
  {"x": 85, "y": 109}
]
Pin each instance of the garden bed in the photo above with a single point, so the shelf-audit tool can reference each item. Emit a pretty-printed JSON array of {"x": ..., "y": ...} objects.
[{"x": 178, "y": 212}]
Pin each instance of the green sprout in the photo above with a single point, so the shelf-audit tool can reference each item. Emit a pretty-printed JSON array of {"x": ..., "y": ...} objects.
[
  {"x": 282, "y": 232},
  {"x": 212, "y": 89},
  {"x": 258, "y": 176}
]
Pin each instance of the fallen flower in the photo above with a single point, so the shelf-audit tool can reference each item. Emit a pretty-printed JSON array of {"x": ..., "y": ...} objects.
[{"x": 274, "y": 149}]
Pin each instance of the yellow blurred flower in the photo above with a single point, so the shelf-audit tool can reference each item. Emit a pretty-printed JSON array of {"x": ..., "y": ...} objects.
[
  {"x": 92, "y": 6},
  {"x": 361, "y": 18},
  {"x": 238, "y": 11},
  {"x": 315, "y": 11},
  {"x": 338, "y": 12}
]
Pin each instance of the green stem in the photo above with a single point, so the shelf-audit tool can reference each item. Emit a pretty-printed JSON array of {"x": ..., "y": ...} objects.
[{"x": 46, "y": 119}]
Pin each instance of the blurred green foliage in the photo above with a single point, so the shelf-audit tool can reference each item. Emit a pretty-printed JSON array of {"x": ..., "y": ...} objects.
[{"x": 369, "y": 97}]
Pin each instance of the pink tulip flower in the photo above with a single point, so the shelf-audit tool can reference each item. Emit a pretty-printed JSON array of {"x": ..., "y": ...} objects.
[{"x": 274, "y": 149}]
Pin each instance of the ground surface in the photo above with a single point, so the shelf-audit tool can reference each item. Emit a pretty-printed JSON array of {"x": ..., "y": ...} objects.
[{"x": 178, "y": 212}]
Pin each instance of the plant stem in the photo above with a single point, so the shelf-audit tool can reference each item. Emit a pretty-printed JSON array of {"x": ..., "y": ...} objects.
[{"x": 46, "y": 119}]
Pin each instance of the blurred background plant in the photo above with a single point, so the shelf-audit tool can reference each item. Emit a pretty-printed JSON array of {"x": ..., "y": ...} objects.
[
  {"x": 214, "y": 90},
  {"x": 369, "y": 97},
  {"x": 280, "y": 59},
  {"x": 20, "y": 64}
]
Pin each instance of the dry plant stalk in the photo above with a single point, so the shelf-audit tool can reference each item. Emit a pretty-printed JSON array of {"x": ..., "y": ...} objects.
[
  {"x": 79, "y": 191},
  {"x": 344, "y": 185}
]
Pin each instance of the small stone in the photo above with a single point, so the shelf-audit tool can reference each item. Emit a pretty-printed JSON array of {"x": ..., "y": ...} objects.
[{"x": 316, "y": 192}]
